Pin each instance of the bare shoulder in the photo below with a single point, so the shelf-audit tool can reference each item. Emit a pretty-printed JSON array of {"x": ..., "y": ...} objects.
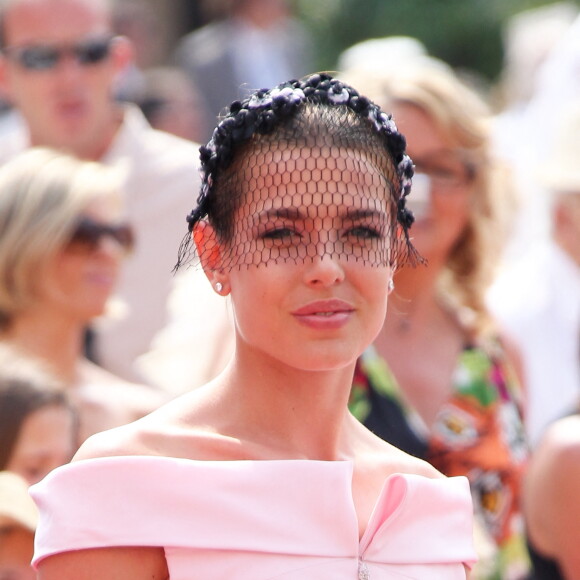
[
  {"x": 120, "y": 441},
  {"x": 148, "y": 435},
  {"x": 393, "y": 459},
  {"x": 386, "y": 459},
  {"x": 554, "y": 471},
  {"x": 179, "y": 429},
  {"x": 550, "y": 494},
  {"x": 559, "y": 448}
]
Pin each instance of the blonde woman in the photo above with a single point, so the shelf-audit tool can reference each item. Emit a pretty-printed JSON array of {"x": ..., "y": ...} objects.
[
  {"x": 437, "y": 382},
  {"x": 62, "y": 243}
]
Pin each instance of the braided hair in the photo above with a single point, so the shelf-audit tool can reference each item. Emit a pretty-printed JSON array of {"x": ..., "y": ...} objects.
[{"x": 317, "y": 111}]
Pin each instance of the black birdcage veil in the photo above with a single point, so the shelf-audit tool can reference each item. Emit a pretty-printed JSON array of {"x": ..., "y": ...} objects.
[{"x": 307, "y": 170}]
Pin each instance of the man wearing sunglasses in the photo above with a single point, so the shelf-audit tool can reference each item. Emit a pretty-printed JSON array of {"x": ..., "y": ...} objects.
[
  {"x": 59, "y": 62},
  {"x": 58, "y": 68}
]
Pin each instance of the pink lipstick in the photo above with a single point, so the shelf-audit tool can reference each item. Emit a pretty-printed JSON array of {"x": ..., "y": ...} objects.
[{"x": 329, "y": 314}]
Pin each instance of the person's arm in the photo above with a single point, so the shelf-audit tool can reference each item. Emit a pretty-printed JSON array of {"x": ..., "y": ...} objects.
[
  {"x": 109, "y": 563},
  {"x": 552, "y": 500},
  {"x": 563, "y": 511}
]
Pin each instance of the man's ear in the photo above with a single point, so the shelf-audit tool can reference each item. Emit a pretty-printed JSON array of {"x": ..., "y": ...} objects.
[
  {"x": 5, "y": 91},
  {"x": 122, "y": 53},
  {"x": 209, "y": 252}
]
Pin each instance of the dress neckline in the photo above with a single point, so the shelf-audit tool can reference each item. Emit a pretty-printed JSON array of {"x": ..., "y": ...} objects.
[{"x": 344, "y": 467}]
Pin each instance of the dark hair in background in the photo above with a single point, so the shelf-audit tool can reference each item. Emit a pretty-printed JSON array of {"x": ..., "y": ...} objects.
[{"x": 25, "y": 387}]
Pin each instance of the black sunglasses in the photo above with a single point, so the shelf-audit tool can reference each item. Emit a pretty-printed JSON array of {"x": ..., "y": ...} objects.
[
  {"x": 88, "y": 233},
  {"x": 45, "y": 56}
]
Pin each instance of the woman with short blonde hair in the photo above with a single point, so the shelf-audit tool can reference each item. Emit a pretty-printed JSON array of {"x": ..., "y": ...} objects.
[{"x": 43, "y": 192}]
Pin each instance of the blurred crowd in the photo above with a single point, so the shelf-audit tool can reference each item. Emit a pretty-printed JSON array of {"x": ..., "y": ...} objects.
[{"x": 477, "y": 368}]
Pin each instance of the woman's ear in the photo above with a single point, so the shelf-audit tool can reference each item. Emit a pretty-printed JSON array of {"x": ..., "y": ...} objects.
[{"x": 210, "y": 255}]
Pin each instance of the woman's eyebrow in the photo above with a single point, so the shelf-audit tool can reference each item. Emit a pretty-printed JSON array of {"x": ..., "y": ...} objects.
[
  {"x": 290, "y": 213},
  {"x": 295, "y": 214},
  {"x": 364, "y": 213}
]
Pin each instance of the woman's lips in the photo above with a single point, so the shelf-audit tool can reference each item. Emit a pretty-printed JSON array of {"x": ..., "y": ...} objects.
[
  {"x": 102, "y": 279},
  {"x": 324, "y": 314}
]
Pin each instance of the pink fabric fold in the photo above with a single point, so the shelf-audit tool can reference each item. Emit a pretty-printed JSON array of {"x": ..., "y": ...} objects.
[{"x": 261, "y": 519}]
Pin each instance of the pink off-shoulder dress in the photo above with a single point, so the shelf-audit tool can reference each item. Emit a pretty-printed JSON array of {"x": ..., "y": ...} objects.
[{"x": 257, "y": 520}]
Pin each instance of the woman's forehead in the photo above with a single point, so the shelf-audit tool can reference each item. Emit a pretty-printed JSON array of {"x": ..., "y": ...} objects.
[{"x": 290, "y": 176}]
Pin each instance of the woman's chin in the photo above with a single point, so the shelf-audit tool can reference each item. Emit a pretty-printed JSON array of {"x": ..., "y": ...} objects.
[{"x": 326, "y": 362}]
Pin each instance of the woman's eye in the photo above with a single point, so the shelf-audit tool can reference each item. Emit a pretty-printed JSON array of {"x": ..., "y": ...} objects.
[
  {"x": 364, "y": 233},
  {"x": 278, "y": 234}
]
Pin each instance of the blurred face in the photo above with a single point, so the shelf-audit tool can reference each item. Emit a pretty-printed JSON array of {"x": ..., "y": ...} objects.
[
  {"x": 79, "y": 279},
  {"x": 59, "y": 70},
  {"x": 314, "y": 293},
  {"x": 16, "y": 550},
  {"x": 442, "y": 186},
  {"x": 45, "y": 441}
]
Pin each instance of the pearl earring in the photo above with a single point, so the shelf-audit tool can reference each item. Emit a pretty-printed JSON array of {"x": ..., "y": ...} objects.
[
  {"x": 219, "y": 287},
  {"x": 391, "y": 285}
]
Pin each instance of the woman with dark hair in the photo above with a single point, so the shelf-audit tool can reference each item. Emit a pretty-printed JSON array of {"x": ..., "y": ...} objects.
[
  {"x": 37, "y": 423},
  {"x": 263, "y": 472}
]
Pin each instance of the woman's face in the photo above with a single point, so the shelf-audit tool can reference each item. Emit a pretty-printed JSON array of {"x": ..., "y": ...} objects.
[
  {"x": 441, "y": 202},
  {"x": 79, "y": 279},
  {"x": 45, "y": 441},
  {"x": 314, "y": 293}
]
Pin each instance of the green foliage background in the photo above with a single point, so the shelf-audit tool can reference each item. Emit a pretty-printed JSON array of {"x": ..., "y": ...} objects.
[{"x": 465, "y": 33}]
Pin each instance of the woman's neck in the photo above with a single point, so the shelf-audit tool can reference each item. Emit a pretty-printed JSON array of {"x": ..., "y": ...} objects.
[
  {"x": 51, "y": 338},
  {"x": 301, "y": 414}
]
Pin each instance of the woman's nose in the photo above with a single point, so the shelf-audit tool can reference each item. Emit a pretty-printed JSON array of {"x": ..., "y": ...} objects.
[
  {"x": 324, "y": 268},
  {"x": 111, "y": 247}
]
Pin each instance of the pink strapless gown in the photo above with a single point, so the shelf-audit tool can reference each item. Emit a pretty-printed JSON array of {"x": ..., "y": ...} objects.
[{"x": 257, "y": 520}]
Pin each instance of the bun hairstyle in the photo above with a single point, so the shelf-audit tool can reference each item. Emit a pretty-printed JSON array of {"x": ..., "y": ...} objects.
[{"x": 319, "y": 112}]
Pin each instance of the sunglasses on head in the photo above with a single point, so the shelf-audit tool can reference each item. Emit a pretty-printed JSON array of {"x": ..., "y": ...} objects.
[
  {"x": 45, "y": 56},
  {"x": 88, "y": 234}
]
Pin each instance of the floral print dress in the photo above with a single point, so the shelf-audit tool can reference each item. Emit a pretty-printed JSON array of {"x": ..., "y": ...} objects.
[{"x": 478, "y": 433}]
